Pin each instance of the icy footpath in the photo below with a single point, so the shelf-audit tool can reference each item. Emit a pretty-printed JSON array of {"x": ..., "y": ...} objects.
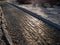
[{"x": 52, "y": 14}]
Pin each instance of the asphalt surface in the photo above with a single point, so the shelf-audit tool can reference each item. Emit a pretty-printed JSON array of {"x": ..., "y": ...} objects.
[{"x": 25, "y": 29}]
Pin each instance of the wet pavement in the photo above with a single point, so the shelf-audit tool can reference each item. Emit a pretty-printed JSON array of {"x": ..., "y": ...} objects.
[{"x": 25, "y": 29}]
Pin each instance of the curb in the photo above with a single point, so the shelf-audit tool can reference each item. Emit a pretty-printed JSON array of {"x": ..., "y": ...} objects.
[{"x": 37, "y": 16}]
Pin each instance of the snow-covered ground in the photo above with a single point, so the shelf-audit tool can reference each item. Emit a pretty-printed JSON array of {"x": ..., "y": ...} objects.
[{"x": 52, "y": 14}]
